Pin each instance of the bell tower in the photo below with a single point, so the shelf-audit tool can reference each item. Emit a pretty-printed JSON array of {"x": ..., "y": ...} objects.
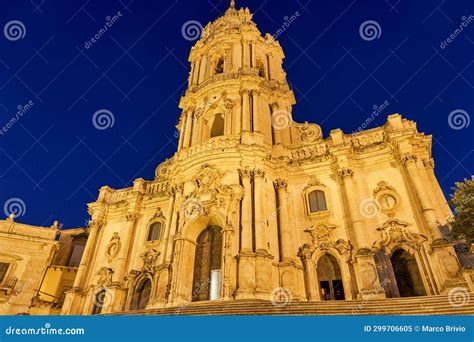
[{"x": 236, "y": 86}]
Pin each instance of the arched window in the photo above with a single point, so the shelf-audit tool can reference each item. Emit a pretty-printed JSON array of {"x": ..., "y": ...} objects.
[
  {"x": 154, "y": 231},
  {"x": 219, "y": 66},
  {"x": 217, "y": 126},
  {"x": 261, "y": 69},
  {"x": 317, "y": 201},
  {"x": 141, "y": 297},
  {"x": 99, "y": 301}
]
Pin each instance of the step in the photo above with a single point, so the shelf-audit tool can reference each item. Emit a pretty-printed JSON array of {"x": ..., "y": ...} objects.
[{"x": 428, "y": 305}]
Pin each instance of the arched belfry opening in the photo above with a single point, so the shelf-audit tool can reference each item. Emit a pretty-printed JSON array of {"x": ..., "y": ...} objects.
[
  {"x": 219, "y": 66},
  {"x": 329, "y": 278},
  {"x": 407, "y": 274},
  {"x": 217, "y": 128},
  {"x": 141, "y": 296},
  {"x": 207, "y": 265}
]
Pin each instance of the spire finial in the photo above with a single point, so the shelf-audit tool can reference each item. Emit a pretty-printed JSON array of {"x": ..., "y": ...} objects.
[{"x": 232, "y": 4}]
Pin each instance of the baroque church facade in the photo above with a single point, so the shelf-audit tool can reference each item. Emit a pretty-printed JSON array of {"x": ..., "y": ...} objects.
[{"x": 254, "y": 205}]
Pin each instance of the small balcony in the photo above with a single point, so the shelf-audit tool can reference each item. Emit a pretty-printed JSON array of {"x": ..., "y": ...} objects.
[{"x": 8, "y": 285}]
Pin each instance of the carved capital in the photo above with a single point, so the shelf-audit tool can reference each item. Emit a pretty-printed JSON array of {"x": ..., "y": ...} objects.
[
  {"x": 245, "y": 173},
  {"x": 259, "y": 173},
  {"x": 429, "y": 163},
  {"x": 255, "y": 92},
  {"x": 244, "y": 91},
  {"x": 345, "y": 172},
  {"x": 408, "y": 158},
  {"x": 132, "y": 217},
  {"x": 305, "y": 253},
  {"x": 280, "y": 184}
]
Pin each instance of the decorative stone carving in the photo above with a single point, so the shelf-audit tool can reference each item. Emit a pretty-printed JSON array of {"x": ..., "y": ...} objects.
[
  {"x": 162, "y": 171},
  {"x": 193, "y": 207},
  {"x": 364, "y": 142},
  {"x": 395, "y": 233},
  {"x": 313, "y": 181},
  {"x": 105, "y": 277},
  {"x": 314, "y": 152},
  {"x": 429, "y": 163},
  {"x": 114, "y": 247},
  {"x": 280, "y": 184},
  {"x": 158, "y": 214},
  {"x": 310, "y": 133},
  {"x": 408, "y": 158},
  {"x": 149, "y": 261},
  {"x": 345, "y": 172},
  {"x": 322, "y": 240}
]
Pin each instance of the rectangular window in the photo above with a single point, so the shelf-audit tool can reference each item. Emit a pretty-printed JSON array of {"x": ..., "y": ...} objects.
[
  {"x": 313, "y": 202},
  {"x": 317, "y": 201},
  {"x": 76, "y": 255},
  {"x": 3, "y": 270},
  {"x": 321, "y": 201}
]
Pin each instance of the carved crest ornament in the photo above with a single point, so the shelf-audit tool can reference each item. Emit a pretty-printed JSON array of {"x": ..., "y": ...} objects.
[
  {"x": 322, "y": 240},
  {"x": 396, "y": 233}
]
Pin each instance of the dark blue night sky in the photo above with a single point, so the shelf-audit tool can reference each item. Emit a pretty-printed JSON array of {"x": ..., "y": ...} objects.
[{"x": 54, "y": 159}]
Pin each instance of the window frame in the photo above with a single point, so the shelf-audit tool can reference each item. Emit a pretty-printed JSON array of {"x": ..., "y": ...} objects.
[
  {"x": 148, "y": 231},
  {"x": 7, "y": 271},
  {"x": 327, "y": 199}
]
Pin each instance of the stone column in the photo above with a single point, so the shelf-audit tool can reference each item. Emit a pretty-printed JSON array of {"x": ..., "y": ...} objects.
[
  {"x": 259, "y": 207},
  {"x": 245, "y": 110},
  {"x": 188, "y": 129},
  {"x": 253, "y": 55},
  {"x": 245, "y": 54},
  {"x": 366, "y": 268},
  {"x": 182, "y": 131},
  {"x": 174, "y": 224},
  {"x": 202, "y": 69},
  {"x": 309, "y": 273},
  {"x": 246, "y": 242},
  {"x": 257, "y": 124},
  {"x": 183, "y": 271},
  {"x": 227, "y": 236},
  {"x": 263, "y": 265},
  {"x": 276, "y": 132},
  {"x": 286, "y": 238},
  {"x": 246, "y": 257},
  {"x": 427, "y": 209},
  {"x": 269, "y": 68}
]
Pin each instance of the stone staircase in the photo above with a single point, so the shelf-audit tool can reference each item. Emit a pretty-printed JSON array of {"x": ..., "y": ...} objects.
[{"x": 428, "y": 305}]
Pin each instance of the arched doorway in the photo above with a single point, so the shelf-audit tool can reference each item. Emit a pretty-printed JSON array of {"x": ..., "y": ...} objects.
[
  {"x": 207, "y": 265},
  {"x": 99, "y": 301},
  {"x": 141, "y": 296},
  {"x": 407, "y": 274},
  {"x": 329, "y": 278}
]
